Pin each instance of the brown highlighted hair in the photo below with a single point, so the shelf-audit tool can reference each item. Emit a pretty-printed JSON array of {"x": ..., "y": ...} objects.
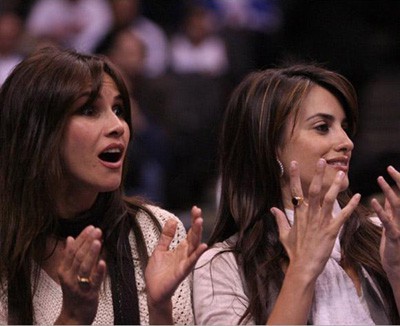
[
  {"x": 35, "y": 104},
  {"x": 252, "y": 131}
]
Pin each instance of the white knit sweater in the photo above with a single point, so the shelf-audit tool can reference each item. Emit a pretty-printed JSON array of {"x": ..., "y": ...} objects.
[{"x": 48, "y": 297}]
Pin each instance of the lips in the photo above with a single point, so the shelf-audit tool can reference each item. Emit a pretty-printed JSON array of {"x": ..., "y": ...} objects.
[
  {"x": 340, "y": 162},
  {"x": 112, "y": 154}
]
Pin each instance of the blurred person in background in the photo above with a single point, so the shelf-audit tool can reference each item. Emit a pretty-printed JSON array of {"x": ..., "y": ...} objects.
[
  {"x": 127, "y": 14},
  {"x": 197, "y": 91},
  {"x": 75, "y": 24},
  {"x": 197, "y": 48},
  {"x": 11, "y": 36}
]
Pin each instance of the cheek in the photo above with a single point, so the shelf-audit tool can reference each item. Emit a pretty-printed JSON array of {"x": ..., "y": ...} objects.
[
  {"x": 127, "y": 133},
  {"x": 77, "y": 141}
]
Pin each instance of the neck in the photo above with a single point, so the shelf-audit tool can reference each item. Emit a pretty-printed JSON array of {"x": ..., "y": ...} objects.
[{"x": 73, "y": 203}]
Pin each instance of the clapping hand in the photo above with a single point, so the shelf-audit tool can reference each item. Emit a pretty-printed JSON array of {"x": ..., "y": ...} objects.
[
  {"x": 81, "y": 274},
  {"x": 310, "y": 240},
  {"x": 390, "y": 218},
  {"x": 168, "y": 268}
]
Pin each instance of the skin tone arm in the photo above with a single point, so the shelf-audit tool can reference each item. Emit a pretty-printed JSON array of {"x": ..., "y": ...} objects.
[
  {"x": 390, "y": 218},
  {"x": 165, "y": 271},
  {"x": 308, "y": 243}
]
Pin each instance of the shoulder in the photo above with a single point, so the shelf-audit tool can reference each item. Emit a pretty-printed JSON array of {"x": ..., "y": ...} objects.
[
  {"x": 148, "y": 224},
  {"x": 219, "y": 256},
  {"x": 161, "y": 215}
]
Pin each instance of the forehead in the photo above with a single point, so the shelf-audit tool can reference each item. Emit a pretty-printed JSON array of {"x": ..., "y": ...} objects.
[
  {"x": 321, "y": 101},
  {"x": 108, "y": 82}
]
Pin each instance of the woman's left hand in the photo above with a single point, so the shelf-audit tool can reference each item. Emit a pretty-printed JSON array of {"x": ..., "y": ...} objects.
[
  {"x": 390, "y": 218},
  {"x": 168, "y": 268}
]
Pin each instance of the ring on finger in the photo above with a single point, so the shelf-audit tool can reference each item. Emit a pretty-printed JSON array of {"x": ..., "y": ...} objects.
[
  {"x": 297, "y": 200},
  {"x": 84, "y": 280}
]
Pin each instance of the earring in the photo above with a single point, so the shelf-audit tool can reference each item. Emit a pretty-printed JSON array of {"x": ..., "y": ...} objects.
[{"x": 281, "y": 167}]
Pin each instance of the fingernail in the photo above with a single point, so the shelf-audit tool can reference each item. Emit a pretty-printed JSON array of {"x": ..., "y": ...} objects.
[
  {"x": 340, "y": 174},
  {"x": 293, "y": 164},
  {"x": 321, "y": 162},
  {"x": 272, "y": 210}
]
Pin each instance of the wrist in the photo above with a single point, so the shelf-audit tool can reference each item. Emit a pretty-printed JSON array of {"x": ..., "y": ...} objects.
[
  {"x": 66, "y": 320},
  {"x": 160, "y": 312},
  {"x": 302, "y": 274}
]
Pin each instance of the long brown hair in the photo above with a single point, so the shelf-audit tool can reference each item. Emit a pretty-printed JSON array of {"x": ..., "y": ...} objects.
[
  {"x": 35, "y": 104},
  {"x": 253, "y": 125}
]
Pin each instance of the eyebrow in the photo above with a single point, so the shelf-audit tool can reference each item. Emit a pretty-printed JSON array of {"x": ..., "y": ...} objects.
[{"x": 325, "y": 116}]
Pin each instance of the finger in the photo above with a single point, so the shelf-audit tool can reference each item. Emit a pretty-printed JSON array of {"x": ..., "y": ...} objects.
[
  {"x": 296, "y": 188},
  {"x": 395, "y": 175},
  {"x": 83, "y": 236},
  {"x": 380, "y": 211},
  {"x": 191, "y": 260},
  {"x": 98, "y": 274},
  {"x": 283, "y": 223},
  {"x": 314, "y": 192},
  {"x": 90, "y": 261},
  {"x": 69, "y": 250},
  {"x": 195, "y": 233},
  {"x": 167, "y": 234},
  {"x": 346, "y": 212},
  {"x": 84, "y": 251},
  {"x": 331, "y": 195},
  {"x": 390, "y": 194},
  {"x": 195, "y": 213},
  {"x": 295, "y": 182}
]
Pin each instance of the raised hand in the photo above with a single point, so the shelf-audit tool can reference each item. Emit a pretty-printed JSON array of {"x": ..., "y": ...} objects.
[
  {"x": 168, "y": 268},
  {"x": 81, "y": 274},
  {"x": 310, "y": 240},
  {"x": 390, "y": 218}
]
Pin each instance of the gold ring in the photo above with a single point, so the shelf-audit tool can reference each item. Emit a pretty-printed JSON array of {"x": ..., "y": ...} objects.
[
  {"x": 297, "y": 201},
  {"x": 84, "y": 280}
]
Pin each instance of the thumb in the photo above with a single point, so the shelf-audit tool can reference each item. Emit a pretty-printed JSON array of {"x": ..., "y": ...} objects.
[{"x": 281, "y": 220}]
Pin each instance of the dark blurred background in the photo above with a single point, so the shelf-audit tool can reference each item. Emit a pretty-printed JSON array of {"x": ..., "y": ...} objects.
[{"x": 182, "y": 58}]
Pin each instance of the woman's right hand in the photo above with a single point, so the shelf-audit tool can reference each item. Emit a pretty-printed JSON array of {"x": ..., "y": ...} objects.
[
  {"x": 81, "y": 274},
  {"x": 310, "y": 240},
  {"x": 308, "y": 243}
]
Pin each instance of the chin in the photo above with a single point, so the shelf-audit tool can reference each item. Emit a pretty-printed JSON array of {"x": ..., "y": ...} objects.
[
  {"x": 111, "y": 186},
  {"x": 345, "y": 184}
]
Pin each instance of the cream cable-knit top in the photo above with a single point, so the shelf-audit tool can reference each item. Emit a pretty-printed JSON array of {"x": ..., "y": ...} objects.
[{"x": 48, "y": 298}]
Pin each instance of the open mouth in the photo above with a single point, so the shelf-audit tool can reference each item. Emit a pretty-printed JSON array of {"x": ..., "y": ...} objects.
[{"x": 111, "y": 155}]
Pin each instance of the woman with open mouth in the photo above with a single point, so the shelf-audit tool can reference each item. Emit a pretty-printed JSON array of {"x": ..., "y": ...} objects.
[{"x": 73, "y": 249}]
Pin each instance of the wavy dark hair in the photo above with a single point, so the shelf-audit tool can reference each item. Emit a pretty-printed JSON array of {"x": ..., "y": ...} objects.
[
  {"x": 252, "y": 131},
  {"x": 35, "y": 104}
]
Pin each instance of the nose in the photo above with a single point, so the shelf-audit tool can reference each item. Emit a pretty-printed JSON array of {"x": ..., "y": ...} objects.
[
  {"x": 115, "y": 125},
  {"x": 345, "y": 144}
]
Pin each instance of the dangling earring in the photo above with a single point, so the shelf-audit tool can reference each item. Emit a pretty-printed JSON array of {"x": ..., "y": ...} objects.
[{"x": 281, "y": 167}]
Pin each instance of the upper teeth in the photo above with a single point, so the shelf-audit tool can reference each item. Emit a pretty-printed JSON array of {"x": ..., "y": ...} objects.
[
  {"x": 337, "y": 163},
  {"x": 112, "y": 150}
]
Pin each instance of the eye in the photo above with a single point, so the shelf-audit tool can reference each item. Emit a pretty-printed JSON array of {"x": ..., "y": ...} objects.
[
  {"x": 323, "y": 127},
  {"x": 119, "y": 111},
  {"x": 88, "y": 110}
]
